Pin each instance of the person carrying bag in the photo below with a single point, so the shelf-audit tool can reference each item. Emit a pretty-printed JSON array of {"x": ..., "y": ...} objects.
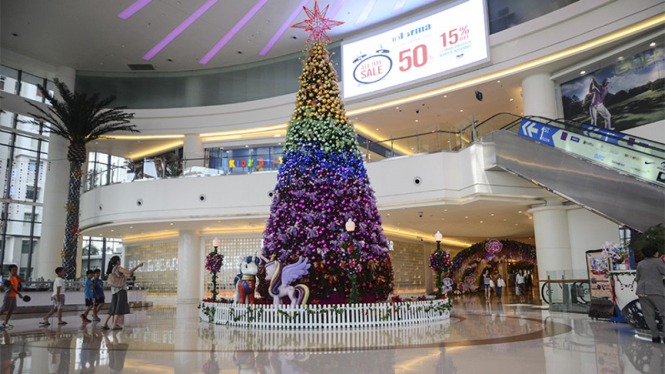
[{"x": 118, "y": 281}]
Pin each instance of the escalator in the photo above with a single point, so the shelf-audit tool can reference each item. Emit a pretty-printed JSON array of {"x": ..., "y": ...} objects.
[{"x": 621, "y": 177}]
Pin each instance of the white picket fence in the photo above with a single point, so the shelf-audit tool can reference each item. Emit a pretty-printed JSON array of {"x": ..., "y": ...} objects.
[{"x": 328, "y": 316}]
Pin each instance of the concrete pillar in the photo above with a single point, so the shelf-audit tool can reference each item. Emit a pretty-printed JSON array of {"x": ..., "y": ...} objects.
[
  {"x": 190, "y": 264},
  {"x": 56, "y": 187},
  {"x": 193, "y": 150},
  {"x": 588, "y": 231},
  {"x": 539, "y": 96},
  {"x": 550, "y": 225}
]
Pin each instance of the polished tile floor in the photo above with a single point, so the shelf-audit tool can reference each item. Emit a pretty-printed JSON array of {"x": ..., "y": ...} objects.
[{"x": 495, "y": 337}]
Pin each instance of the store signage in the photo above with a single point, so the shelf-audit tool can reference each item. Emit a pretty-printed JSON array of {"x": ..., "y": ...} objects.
[
  {"x": 251, "y": 162},
  {"x": 601, "y": 149},
  {"x": 449, "y": 40},
  {"x": 493, "y": 246}
]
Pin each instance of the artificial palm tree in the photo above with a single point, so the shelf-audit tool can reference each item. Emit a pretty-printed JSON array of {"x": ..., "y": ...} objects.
[{"x": 80, "y": 119}]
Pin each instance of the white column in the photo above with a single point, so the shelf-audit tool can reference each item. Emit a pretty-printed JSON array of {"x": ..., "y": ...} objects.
[
  {"x": 550, "y": 225},
  {"x": 588, "y": 231},
  {"x": 56, "y": 187},
  {"x": 189, "y": 267},
  {"x": 193, "y": 149},
  {"x": 539, "y": 96}
]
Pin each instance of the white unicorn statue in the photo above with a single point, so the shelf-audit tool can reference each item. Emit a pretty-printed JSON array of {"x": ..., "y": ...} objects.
[{"x": 281, "y": 276}]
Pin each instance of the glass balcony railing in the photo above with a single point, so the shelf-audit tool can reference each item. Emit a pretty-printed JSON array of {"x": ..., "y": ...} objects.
[{"x": 461, "y": 136}]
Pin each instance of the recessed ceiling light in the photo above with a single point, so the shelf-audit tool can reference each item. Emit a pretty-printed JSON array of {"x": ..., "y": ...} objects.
[
  {"x": 171, "y": 223},
  {"x": 515, "y": 224},
  {"x": 519, "y": 211},
  {"x": 481, "y": 221},
  {"x": 377, "y": 129},
  {"x": 582, "y": 72},
  {"x": 445, "y": 210},
  {"x": 504, "y": 220},
  {"x": 279, "y": 143},
  {"x": 511, "y": 99},
  {"x": 396, "y": 107},
  {"x": 388, "y": 213},
  {"x": 492, "y": 214},
  {"x": 530, "y": 217},
  {"x": 652, "y": 44},
  {"x": 466, "y": 216},
  {"x": 111, "y": 230},
  {"x": 498, "y": 81},
  {"x": 444, "y": 96},
  {"x": 246, "y": 146},
  {"x": 131, "y": 227},
  {"x": 620, "y": 58},
  {"x": 416, "y": 120},
  {"x": 277, "y": 135}
]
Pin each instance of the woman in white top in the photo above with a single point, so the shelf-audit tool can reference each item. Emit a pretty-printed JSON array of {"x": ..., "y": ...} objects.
[
  {"x": 500, "y": 284},
  {"x": 519, "y": 279},
  {"x": 119, "y": 303},
  {"x": 487, "y": 279}
]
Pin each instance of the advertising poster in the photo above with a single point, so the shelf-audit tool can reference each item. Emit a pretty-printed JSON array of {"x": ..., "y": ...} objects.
[
  {"x": 599, "y": 278},
  {"x": 626, "y": 94},
  {"x": 630, "y": 157},
  {"x": 449, "y": 40}
]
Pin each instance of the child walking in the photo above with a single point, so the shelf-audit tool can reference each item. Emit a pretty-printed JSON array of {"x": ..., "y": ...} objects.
[
  {"x": 89, "y": 295},
  {"x": 58, "y": 297},
  {"x": 10, "y": 288},
  {"x": 98, "y": 289}
]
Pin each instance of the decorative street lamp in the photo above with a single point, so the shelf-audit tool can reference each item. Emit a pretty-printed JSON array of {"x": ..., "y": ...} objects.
[
  {"x": 438, "y": 238},
  {"x": 350, "y": 225},
  {"x": 214, "y": 263}
]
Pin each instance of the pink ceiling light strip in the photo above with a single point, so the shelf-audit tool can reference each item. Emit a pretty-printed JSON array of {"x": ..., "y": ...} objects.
[
  {"x": 365, "y": 13},
  {"x": 133, "y": 8},
  {"x": 399, "y": 6},
  {"x": 178, "y": 30},
  {"x": 335, "y": 8},
  {"x": 234, "y": 30},
  {"x": 283, "y": 28}
]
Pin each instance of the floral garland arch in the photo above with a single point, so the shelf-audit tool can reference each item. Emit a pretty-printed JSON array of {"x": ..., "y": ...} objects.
[{"x": 479, "y": 255}]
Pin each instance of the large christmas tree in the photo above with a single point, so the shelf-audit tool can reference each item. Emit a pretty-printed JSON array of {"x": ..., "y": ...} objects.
[{"x": 322, "y": 184}]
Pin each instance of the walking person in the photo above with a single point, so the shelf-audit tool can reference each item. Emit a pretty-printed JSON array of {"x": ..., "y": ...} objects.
[
  {"x": 117, "y": 280},
  {"x": 10, "y": 288},
  {"x": 487, "y": 279},
  {"x": 98, "y": 290},
  {"x": 519, "y": 280},
  {"x": 500, "y": 284},
  {"x": 58, "y": 297},
  {"x": 650, "y": 289},
  {"x": 88, "y": 295}
]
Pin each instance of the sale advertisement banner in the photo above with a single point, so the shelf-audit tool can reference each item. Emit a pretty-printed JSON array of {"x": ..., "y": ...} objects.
[
  {"x": 599, "y": 278},
  {"x": 597, "y": 148},
  {"x": 449, "y": 40}
]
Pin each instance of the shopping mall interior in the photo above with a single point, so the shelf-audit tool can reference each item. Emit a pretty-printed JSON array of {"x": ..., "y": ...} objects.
[{"x": 519, "y": 137}]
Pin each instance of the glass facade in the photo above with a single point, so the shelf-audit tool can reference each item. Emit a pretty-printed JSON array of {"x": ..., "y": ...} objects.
[
  {"x": 97, "y": 251},
  {"x": 23, "y": 155}
]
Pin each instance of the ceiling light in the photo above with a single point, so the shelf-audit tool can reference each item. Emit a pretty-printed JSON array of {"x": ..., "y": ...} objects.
[
  {"x": 171, "y": 223},
  {"x": 582, "y": 72},
  {"x": 515, "y": 224},
  {"x": 277, "y": 135},
  {"x": 396, "y": 107},
  {"x": 620, "y": 58},
  {"x": 652, "y": 44},
  {"x": 416, "y": 120},
  {"x": 519, "y": 211},
  {"x": 279, "y": 143},
  {"x": 246, "y": 146},
  {"x": 530, "y": 217},
  {"x": 445, "y": 210},
  {"x": 461, "y": 110},
  {"x": 492, "y": 214},
  {"x": 504, "y": 220},
  {"x": 511, "y": 99},
  {"x": 377, "y": 129},
  {"x": 498, "y": 81},
  {"x": 481, "y": 221},
  {"x": 466, "y": 216},
  {"x": 111, "y": 230},
  {"x": 444, "y": 96}
]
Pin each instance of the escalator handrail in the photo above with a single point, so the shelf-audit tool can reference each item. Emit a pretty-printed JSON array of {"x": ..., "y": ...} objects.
[
  {"x": 571, "y": 126},
  {"x": 579, "y": 128}
]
